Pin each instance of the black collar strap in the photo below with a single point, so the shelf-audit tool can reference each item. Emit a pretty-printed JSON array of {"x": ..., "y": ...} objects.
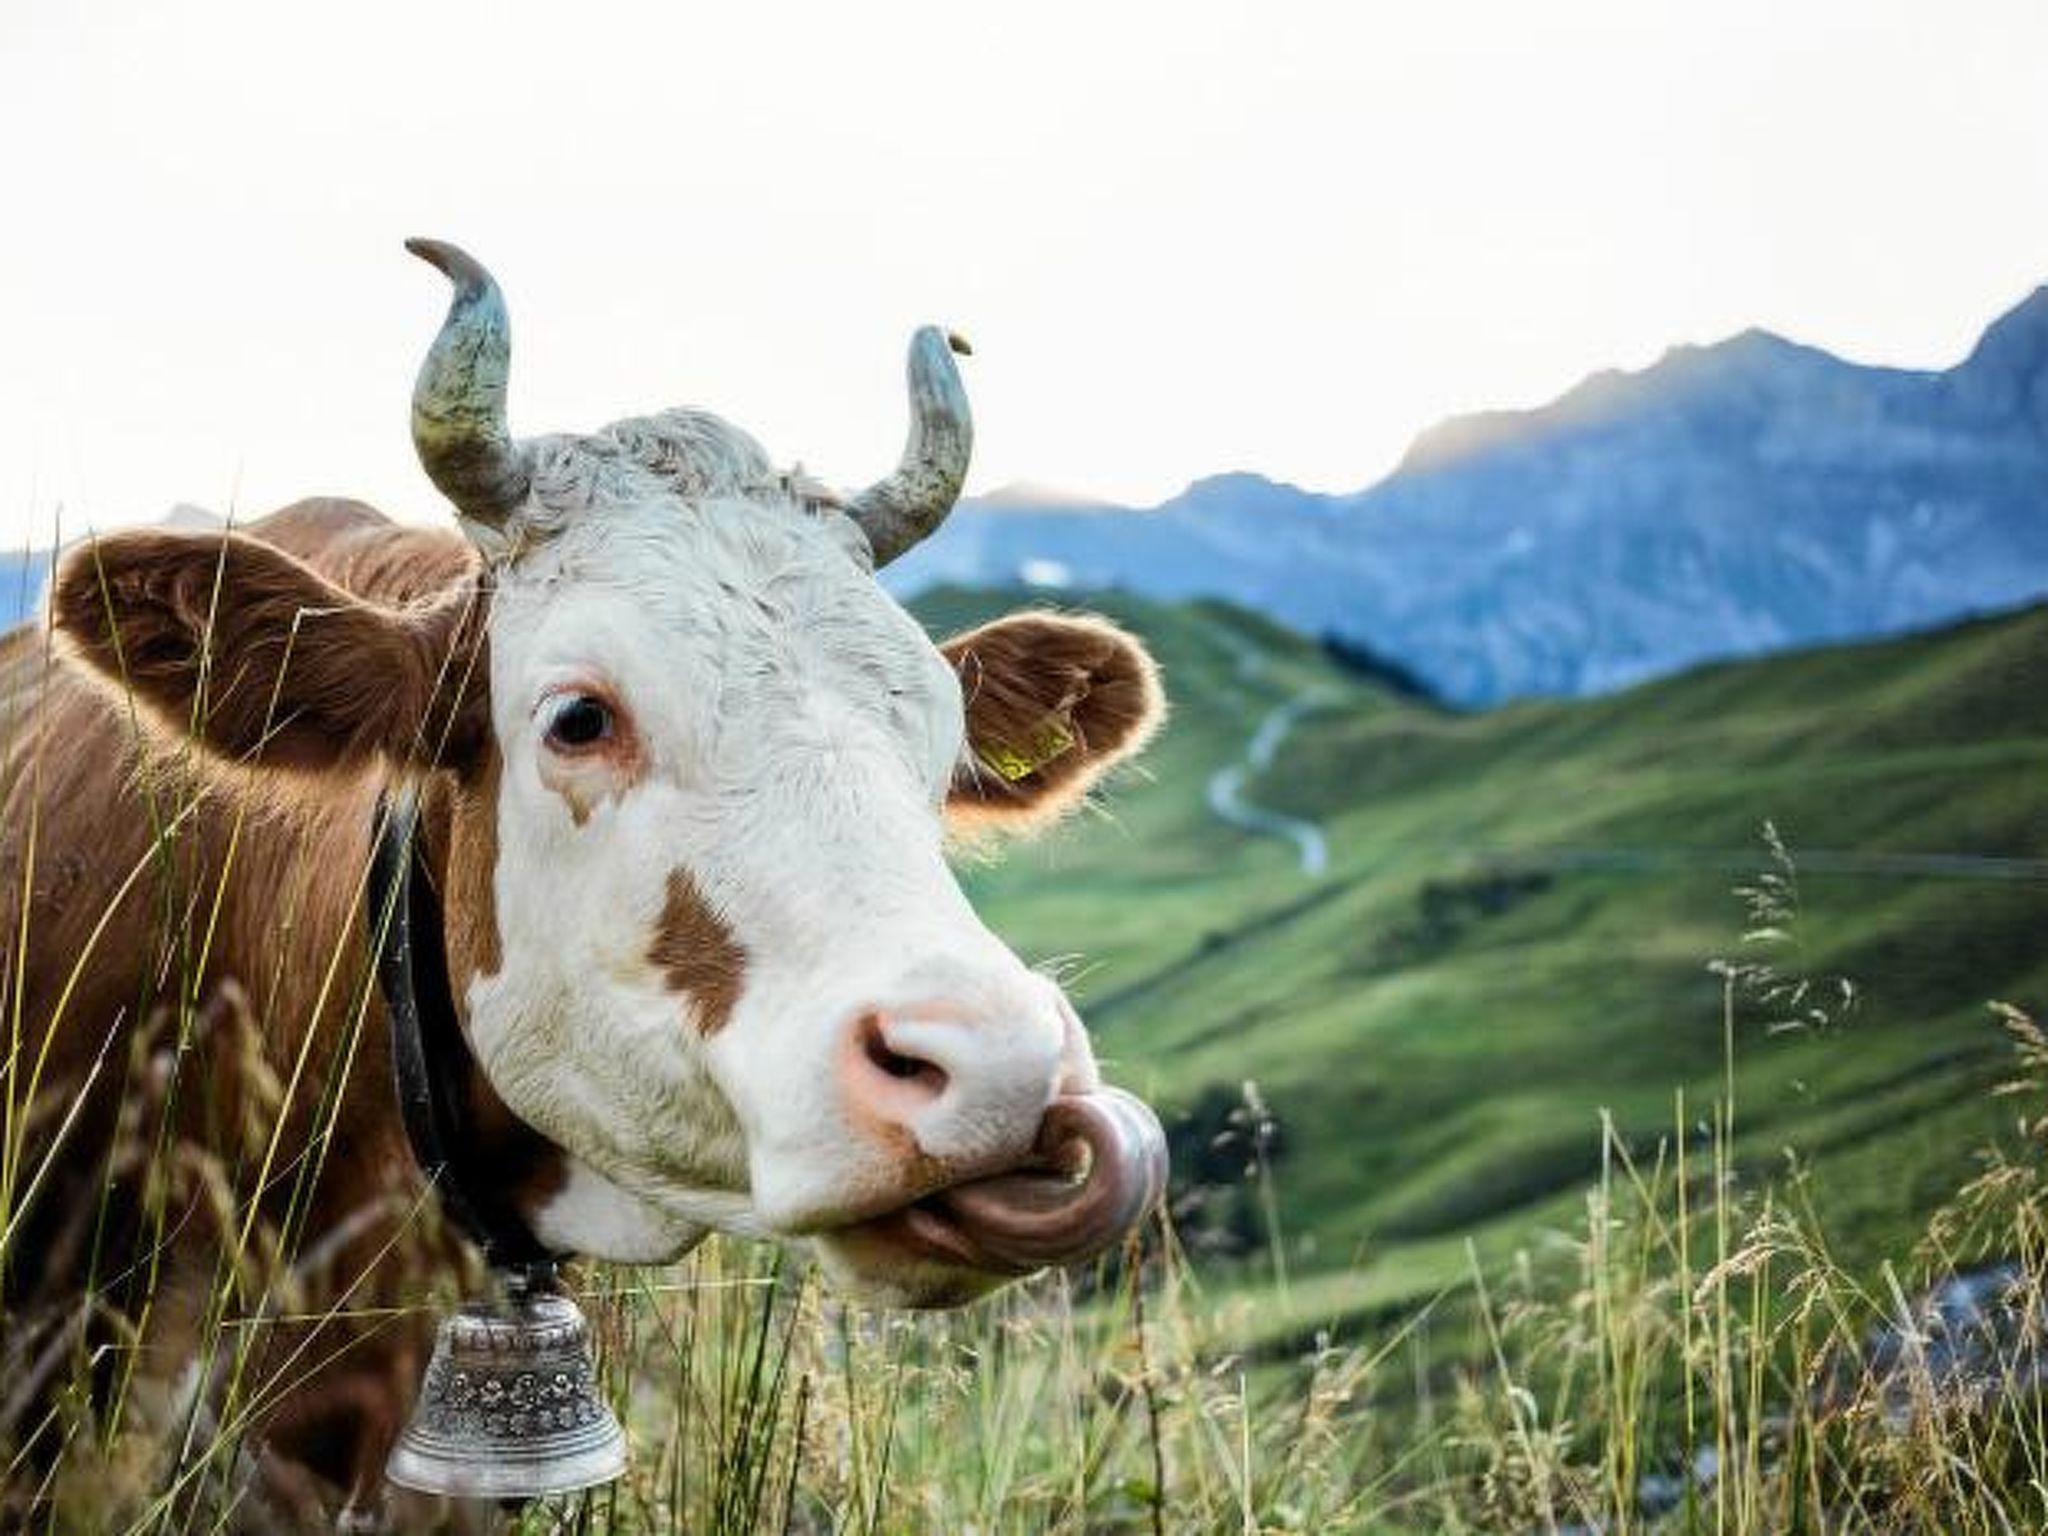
[{"x": 430, "y": 1059}]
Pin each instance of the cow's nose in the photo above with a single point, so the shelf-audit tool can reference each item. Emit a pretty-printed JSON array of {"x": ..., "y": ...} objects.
[
  {"x": 899, "y": 1079},
  {"x": 967, "y": 1086}
]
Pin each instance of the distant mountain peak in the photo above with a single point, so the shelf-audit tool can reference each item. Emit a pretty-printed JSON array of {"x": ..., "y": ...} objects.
[
  {"x": 2030, "y": 314},
  {"x": 1734, "y": 497},
  {"x": 1750, "y": 341},
  {"x": 1753, "y": 356},
  {"x": 1237, "y": 483},
  {"x": 185, "y": 515},
  {"x": 1037, "y": 496},
  {"x": 2007, "y": 371},
  {"x": 1750, "y": 348}
]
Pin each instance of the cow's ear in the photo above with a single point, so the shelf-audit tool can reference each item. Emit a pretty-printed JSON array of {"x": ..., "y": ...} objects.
[
  {"x": 1053, "y": 702},
  {"x": 234, "y": 642}
]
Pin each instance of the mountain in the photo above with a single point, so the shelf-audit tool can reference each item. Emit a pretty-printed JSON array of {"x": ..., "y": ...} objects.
[
  {"x": 1513, "y": 930},
  {"x": 22, "y": 574},
  {"x": 1729, "y": 500}
]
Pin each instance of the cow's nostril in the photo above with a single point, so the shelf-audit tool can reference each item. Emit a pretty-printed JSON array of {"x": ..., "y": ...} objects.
[{"x": 890, "y": 1062}]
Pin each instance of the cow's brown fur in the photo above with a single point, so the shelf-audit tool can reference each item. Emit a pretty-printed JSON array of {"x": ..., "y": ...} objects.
[
  {"x": 120, "y": 846},
  {"x": 381, "y": 668},
  {"x": 144, "y": 878},
  {"x": 698, "y": 953}
]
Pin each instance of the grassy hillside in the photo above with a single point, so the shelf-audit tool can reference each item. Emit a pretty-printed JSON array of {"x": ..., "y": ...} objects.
[
  {"x": 1448, "y": 1299},
  {"x": 1515, "y": 929}
]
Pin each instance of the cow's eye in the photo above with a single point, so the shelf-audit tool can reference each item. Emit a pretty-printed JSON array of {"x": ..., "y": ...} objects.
[{"x": 580, "y": 720}]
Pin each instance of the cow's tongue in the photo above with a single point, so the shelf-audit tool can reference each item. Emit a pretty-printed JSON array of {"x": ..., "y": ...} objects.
[{"x": 1102, "y": 1165}]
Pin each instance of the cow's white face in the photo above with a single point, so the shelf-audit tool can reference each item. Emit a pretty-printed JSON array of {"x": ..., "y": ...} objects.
[
  {"x": 701, "y": 923},
  {"x": 739, "y": 984}
]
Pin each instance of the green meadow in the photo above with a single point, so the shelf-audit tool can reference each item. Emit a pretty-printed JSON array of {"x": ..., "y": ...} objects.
[
  {"x": 1548, "y": 1159},
  {"x": 1516, "y": 932}
]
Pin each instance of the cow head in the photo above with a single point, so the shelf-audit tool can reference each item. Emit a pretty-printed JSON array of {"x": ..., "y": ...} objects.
[{"x": 698, "y": 771}]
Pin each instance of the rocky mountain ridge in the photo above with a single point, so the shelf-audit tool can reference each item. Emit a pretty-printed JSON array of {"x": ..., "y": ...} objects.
[{"x": 1749, "y": 496}]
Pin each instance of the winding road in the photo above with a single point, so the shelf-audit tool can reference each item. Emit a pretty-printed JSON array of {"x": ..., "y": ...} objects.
[
  {"x": 1228, "y": 804},
  {"x": 1226, "y": 785}
]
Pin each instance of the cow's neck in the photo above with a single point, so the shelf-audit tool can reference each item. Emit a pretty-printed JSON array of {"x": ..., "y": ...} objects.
[
  {"x": 437, "y": 1080},
  {"x": 499, "y": 1171}
]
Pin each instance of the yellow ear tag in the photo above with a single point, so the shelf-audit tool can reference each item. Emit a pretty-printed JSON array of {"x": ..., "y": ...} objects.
[{"x": 1012, "y": 764}]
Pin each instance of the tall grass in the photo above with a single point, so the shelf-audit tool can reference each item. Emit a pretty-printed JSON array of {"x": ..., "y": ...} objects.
[
  {"x": 1689, "y": 1354},
  {"x": 1691, "y": 1357}
]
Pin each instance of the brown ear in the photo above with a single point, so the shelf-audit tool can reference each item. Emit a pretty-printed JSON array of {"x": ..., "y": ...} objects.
[
  {"x": 1053, "y": 701},
  {"x": 259, "y": 656}
]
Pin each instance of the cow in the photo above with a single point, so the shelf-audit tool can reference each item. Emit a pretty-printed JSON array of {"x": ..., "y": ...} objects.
[{"x": 687, "y": 780}]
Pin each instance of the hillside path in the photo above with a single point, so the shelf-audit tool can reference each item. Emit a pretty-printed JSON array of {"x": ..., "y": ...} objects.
[{"x": 1226, "y": 785}]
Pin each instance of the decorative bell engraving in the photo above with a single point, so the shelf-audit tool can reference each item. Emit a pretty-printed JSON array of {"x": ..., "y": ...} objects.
[{"x": 510, "y": 1407}]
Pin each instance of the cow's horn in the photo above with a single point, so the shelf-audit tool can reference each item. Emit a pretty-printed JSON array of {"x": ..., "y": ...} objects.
[
  {"x": 458, "y": 403},
  {"x": 897, "y": 512}
]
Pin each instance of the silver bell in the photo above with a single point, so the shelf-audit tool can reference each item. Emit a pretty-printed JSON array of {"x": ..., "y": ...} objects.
[{"x": 510, "y": 1408}]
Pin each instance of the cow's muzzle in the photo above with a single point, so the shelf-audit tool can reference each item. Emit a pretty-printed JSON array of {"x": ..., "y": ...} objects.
[{"x": 1099, "y": 1165}]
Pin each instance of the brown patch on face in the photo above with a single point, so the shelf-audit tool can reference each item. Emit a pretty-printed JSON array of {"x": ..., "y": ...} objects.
[
  {"x": 1053, "y": 701},
  {"x": 698, "y": 953}
]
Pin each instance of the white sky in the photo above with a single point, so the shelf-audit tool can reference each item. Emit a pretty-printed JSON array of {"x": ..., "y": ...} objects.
[{"x": 1184, "y": 237}]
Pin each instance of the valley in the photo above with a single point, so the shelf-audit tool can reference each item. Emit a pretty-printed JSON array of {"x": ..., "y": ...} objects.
[{"x": 1514, "y": 930}]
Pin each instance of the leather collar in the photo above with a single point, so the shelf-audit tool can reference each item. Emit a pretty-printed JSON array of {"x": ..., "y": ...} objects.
[{"x": 430, "y": 1059}]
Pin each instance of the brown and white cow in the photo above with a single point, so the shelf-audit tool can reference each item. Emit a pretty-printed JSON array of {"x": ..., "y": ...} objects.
[{"x": 688, "y": 777}]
